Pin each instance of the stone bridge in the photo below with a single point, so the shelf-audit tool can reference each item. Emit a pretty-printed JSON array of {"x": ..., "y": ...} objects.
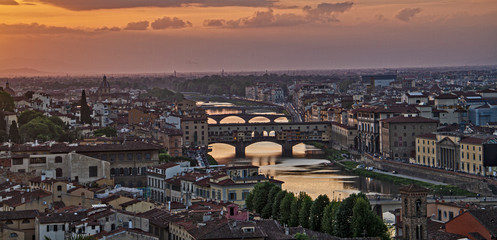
[
  {"x": 285, "y": 134},
  {"x": 286, "y": 146},
  {"x": 247, "y": 117}
]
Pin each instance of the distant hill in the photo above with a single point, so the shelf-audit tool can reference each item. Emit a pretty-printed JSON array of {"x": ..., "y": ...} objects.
[{"x": 22, "y": 72}]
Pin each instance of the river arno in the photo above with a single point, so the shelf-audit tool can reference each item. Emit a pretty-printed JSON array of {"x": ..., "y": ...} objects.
[{"x": 310, "y": 175}]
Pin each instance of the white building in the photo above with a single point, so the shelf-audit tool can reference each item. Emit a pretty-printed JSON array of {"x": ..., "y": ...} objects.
[{"x": 156, "y": 177}]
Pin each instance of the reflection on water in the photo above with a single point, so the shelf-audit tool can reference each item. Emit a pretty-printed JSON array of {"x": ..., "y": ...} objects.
[{"x": 314, "y": 176}]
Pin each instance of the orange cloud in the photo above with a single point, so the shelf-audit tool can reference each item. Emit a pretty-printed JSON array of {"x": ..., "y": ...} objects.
[
  {"x": 82, "y": 5},
  {"x": 8, "y": 2}
]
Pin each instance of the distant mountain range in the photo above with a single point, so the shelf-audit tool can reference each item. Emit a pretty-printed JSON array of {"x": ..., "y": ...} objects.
[{"x": 14, "y": 72}]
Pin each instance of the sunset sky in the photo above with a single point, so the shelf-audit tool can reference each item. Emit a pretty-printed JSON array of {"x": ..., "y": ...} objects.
[{"x": 137, "y": 36}]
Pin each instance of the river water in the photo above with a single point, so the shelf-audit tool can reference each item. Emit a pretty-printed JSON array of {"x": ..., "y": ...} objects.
[{"x": 300, "y": 173}]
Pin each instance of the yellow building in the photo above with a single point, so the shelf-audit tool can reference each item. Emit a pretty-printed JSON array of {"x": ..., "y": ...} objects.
[
  {"x": 426, "y": 150},
  {"x": 471, "y": 155}
]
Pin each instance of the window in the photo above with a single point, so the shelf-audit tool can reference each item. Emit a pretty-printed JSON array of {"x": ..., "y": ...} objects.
[
  {"x": 245, "y": 194},
  {"x": 58, "y": 159},
  {"x": 37, "y": 160},
  {"x": 112, "y": 157},
  {"x": 121, "y": 156},
  {"x": 17, "y": 161},
  {"x": 55, "y": 228},
  {"x": 12, "y": 235},
  {"x": 58, "y": 172},
  {"x": 148, "y": 156},
  {"x": 130, "y": 156},
  {"x": 93, "y": 171},
  {"x": 59, "y": 188},
  {"x": 139, "y": 156},
  {"x": 8, "y": 222},
  {"x": 418, "y": 207},
  {"x": 232, "y": 196},
  {"x": 25, "y": 221}
]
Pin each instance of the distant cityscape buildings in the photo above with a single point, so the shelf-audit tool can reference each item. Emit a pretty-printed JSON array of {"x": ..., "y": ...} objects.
[{"x": 140, "y": 167}]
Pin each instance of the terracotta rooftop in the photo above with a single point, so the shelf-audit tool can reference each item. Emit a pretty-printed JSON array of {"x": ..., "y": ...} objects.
[
  {"x": 474, "y": 140},
  {"x": 16, "y": 215},
  {"x": 402, "y": 119},
  {"x": 428, "y": 136}
]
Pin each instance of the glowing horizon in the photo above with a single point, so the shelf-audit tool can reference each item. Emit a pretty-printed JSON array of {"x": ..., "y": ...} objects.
[{"x": 236, "y": 35}]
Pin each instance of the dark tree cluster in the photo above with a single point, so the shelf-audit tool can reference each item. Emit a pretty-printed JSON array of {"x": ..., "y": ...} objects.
[
  {"x": 349, "y": 218},
  {"x": 34, "y": 125}
]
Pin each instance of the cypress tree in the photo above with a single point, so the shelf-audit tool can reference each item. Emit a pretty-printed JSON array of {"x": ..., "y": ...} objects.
[
  {"x": 14, "y": 133},
  {"x": 85, "y": 110}
]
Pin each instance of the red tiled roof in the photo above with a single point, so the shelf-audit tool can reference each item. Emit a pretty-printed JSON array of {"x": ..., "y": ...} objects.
[
  {"x": 474, "y": 140},
  {"x": 402, "y": 119},
  {"x": 428, "y": 136},
  {"x": 166, "y": 165}
]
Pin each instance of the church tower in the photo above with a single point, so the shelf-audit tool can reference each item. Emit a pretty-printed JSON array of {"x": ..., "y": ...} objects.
[
  {"x": 104, "y": 87},
  {"x": 414, "y": 220},
  {"x": 9, "y": 90}
]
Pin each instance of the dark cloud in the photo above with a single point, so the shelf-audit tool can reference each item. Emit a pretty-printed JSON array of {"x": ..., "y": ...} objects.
[
  {"x": 326, "y": 12},
  {"x": 407, "y": 14},
  {"x": 35, "y": 28},
  {"x": 141, "y": 25},
  {"x": 8, "y": 2},
  {"x": 214, "y": 23},
  {"x": 323, "y": 12},
  {"x": 81, "y": 5},
  {"x": 167, "y": 22},
  {"x": 259, "y": 19},
  {"x": 107, "y": 29}
]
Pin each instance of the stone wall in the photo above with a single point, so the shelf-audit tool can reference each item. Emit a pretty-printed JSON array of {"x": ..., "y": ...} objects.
[{"x": 471, "y": 183}]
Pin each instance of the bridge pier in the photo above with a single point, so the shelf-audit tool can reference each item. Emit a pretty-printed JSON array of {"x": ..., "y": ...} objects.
[
  {"x": 240, "y": 150},
  {"x": 287, "y": 149}
]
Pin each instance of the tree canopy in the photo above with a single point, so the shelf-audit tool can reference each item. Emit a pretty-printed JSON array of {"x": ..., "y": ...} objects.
[
  {"x": 164, "y": 94},
  {"x": 6, "y": 102},
  {"x": 36, "y": 126},
  {"x": 107, "y": 131},
  {"x": 352, "y": 217}
]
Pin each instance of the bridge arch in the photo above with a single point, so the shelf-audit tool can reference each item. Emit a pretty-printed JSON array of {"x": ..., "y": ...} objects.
[
  {"x": 232, "y": 119},
  {"x": 259, "y": 119},
  {"x": 281, "y": 119},
  {"x": 211, "y": 120},
  {"x": 223, "y": 150}
]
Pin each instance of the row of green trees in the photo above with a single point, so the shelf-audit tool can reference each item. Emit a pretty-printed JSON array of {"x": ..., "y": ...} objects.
[{"x": 351, "y": 217}]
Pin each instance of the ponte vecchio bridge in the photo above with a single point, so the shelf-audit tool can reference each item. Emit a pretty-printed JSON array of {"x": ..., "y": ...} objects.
[
  {"x": 248, "y": 117},
  {"x": 241, "y": 135}
]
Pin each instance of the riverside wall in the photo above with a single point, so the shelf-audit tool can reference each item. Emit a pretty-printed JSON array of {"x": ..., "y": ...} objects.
[{"x": 473, "y": 183}]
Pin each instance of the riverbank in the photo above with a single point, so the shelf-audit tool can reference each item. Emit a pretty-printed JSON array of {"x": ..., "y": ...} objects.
[
  {"x": 435, "y": 189},
  {"x": 336, "y": 156}
]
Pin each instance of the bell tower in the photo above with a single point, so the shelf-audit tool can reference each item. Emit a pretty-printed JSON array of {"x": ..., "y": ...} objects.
[{"x": 414, "y": 219}]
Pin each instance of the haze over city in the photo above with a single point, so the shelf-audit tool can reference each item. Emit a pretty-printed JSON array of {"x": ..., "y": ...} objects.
[{"x": 80, "y": 36}]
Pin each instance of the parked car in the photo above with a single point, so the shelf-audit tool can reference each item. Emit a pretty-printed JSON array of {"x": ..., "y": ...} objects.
[{"x": 394, "y": 172}]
